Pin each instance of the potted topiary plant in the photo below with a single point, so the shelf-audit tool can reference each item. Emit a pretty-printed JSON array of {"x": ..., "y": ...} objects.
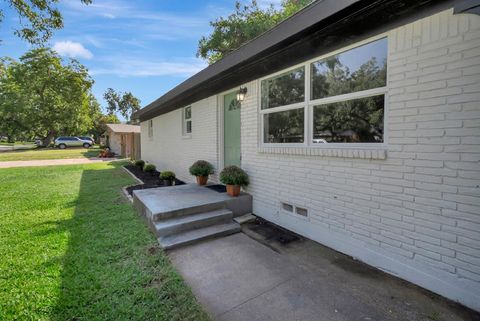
[
  {"x": 168, "y": 177},
  {"x": 201, "y": 169},
  {"x": 234, "y": 177},
  {"x": 149, "y": 168}
]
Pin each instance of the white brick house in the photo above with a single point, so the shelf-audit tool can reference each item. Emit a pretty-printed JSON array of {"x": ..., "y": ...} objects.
[{"x": 404, "y": 197}]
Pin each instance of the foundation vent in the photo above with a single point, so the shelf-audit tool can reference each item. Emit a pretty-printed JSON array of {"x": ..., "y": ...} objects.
[
  {"x": 301, "y": 211},
  {"x": 287, "y": 207}
]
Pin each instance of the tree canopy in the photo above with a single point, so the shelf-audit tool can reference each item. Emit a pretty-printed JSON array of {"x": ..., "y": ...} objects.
[
  {"x": 42, "y": 95},
  {"x": 247, "y": 22},
  {"x": 124, "y": 103},
  {"x": 37, "y": 18}
]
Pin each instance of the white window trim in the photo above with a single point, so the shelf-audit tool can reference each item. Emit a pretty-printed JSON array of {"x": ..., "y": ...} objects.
[
  {"x": 184, "y": 122},
  {"x": 302, "y": 148}
]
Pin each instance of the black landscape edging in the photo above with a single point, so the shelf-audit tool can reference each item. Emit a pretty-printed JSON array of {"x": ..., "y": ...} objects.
[{"x": 150, "y": 180}]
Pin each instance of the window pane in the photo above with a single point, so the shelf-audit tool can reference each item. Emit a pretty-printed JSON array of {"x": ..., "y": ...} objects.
[
  {"x": 188, "y": 112},
  {"x": 352, "y": 121},
  {"x": 285, "y": 89},
  {"x": 361, "y": 68},
  {"x": 189, "y": 126},
  {"x": 284, "y": 127}
]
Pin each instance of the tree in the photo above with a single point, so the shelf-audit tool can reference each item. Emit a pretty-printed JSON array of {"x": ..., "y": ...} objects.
[
  {"x": 43, "y": 96},
  {"x": 123, "y": 102},
  {"x": 100, "y": 124},
  {"x": 247, "y": 22},
  {"x": 38, "y": 18}
]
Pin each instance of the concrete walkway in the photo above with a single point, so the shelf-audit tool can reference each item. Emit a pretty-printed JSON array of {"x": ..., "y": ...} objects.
[
  {"x": 53, "y": 162},
  {"x": 239, "y": 278}
]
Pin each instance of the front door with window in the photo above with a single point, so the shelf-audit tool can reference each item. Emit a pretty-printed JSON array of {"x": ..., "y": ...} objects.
[{"x": 231, "y": 130}]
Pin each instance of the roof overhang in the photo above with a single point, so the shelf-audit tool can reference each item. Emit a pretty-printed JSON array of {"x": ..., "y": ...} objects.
[{"x": 321, "y": 27}]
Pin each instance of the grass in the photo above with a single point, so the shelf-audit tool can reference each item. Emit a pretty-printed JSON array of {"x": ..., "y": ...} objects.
[
  {"x": 48, "y": 153},
  {"x": 72, "y": 248},
  {"x": 16, "y": 143}
]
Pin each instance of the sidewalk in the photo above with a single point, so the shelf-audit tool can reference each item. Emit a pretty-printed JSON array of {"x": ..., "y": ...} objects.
[{"x": 53, "y": 162}]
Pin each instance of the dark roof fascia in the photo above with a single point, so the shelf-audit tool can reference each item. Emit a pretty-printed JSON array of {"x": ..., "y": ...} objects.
[
  {"x": 356, "y": 22},
  {"x": 302, "y": 20},
  {"x": 467, "y": 6}
]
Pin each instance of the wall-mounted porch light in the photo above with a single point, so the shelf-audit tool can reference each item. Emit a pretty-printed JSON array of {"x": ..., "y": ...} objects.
[{"x": 241, "y": 93}]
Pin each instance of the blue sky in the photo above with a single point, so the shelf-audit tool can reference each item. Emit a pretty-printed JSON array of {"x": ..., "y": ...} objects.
[{"x": 146, "y": 47}]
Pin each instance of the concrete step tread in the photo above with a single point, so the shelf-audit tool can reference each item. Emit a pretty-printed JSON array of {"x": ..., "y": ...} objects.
[
  {"x": 188, "y": 237},
  {"x": 193, "y": 217},
  {"x": 189, "y": 210},
  {"x": 192, "y": 221}
]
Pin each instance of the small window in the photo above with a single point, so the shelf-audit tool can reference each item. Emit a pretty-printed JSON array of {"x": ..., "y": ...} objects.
[
  {"x": 187, "y": 120},
  {"x": 150, "y": 128}
]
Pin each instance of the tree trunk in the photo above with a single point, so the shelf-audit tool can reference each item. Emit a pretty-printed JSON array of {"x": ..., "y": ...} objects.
[{"x": 49, "y": 139}]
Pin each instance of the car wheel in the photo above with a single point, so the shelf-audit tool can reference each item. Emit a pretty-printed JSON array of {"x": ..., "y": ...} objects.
[
  {"x": 86, "y": 145},
  {"x": 62, "y": 146}
]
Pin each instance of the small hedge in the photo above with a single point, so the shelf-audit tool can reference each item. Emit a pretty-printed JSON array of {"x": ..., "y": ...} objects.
[
  {"x": 149, "y": 168},
  {"x": 139, "y": 163},
  {"x": 201, "y": 168},
  {"x": 233, "y": 175},
  {"x": 167, "y": 176}
]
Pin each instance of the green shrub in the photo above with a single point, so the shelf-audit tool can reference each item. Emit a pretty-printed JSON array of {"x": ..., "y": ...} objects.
[
  {"x": 233, "y": 175},
  {"x": 139, "y": 163},
  {"x": 201, "y": 168},
  {"x": 167, "y": 176},
  {"x": 149, "y": 168}
]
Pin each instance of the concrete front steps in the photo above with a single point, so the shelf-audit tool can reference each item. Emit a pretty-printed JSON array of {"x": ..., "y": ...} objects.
[
  {"x": 185, "y": 214},
  {"x": 182, "y": 230}
]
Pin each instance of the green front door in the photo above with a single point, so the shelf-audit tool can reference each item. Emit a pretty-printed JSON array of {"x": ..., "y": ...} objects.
[{"x": 231, "y": 130}]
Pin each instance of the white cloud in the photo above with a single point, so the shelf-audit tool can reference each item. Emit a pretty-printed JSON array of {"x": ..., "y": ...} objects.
[
  {"x": 72, "y": 49},
  {"x": 108, "y": 15},
  {"x": 141, "y": 67}
]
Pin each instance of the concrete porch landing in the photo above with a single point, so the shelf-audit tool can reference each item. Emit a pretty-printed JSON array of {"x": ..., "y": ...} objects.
[{"x": 184, "y": 214}]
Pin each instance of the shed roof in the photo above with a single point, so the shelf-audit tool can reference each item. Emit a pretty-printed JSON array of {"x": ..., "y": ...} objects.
[
  {"x": 124, "y": 128},
  {"x": 323, "y": 26}
]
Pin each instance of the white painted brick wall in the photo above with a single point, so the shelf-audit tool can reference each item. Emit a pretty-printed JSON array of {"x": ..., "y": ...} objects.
[
  {"x": 170, "y": 150},
  {"x": 414, "y": 213},
  {"x": 421, "y": 205}
]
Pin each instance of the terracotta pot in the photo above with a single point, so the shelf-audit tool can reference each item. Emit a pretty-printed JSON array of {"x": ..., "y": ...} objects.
[
  {"x": 202, "y": 180},
  {"x": 233, "y": 190}
]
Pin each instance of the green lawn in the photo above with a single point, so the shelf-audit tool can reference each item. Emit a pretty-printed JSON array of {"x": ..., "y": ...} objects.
[
  {"x": 16, "y": 143},
  {"x": 72, "y": 248},
  {"x": 48, "y": 153}
]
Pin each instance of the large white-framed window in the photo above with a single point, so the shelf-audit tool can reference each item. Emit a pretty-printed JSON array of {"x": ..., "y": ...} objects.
[
  {"x": 336, "y": 100},
  {"x": 187, "y": 121}
]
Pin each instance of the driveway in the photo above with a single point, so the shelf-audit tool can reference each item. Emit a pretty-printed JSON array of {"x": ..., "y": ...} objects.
[
  {"x": 243, "y": 278},
  {"x": 53, "y": 162}
]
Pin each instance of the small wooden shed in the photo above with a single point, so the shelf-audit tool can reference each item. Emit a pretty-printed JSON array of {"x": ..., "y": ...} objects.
[{"x": 123, "y": 139}]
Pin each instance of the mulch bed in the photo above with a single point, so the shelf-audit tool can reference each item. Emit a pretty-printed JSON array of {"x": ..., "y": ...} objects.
[
  {"x": 150, "y": 180},
  {"x": 271, "y": 232}
]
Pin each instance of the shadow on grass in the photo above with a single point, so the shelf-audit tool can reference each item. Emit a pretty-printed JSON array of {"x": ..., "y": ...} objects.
[{"x": 113, "y": 268}]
